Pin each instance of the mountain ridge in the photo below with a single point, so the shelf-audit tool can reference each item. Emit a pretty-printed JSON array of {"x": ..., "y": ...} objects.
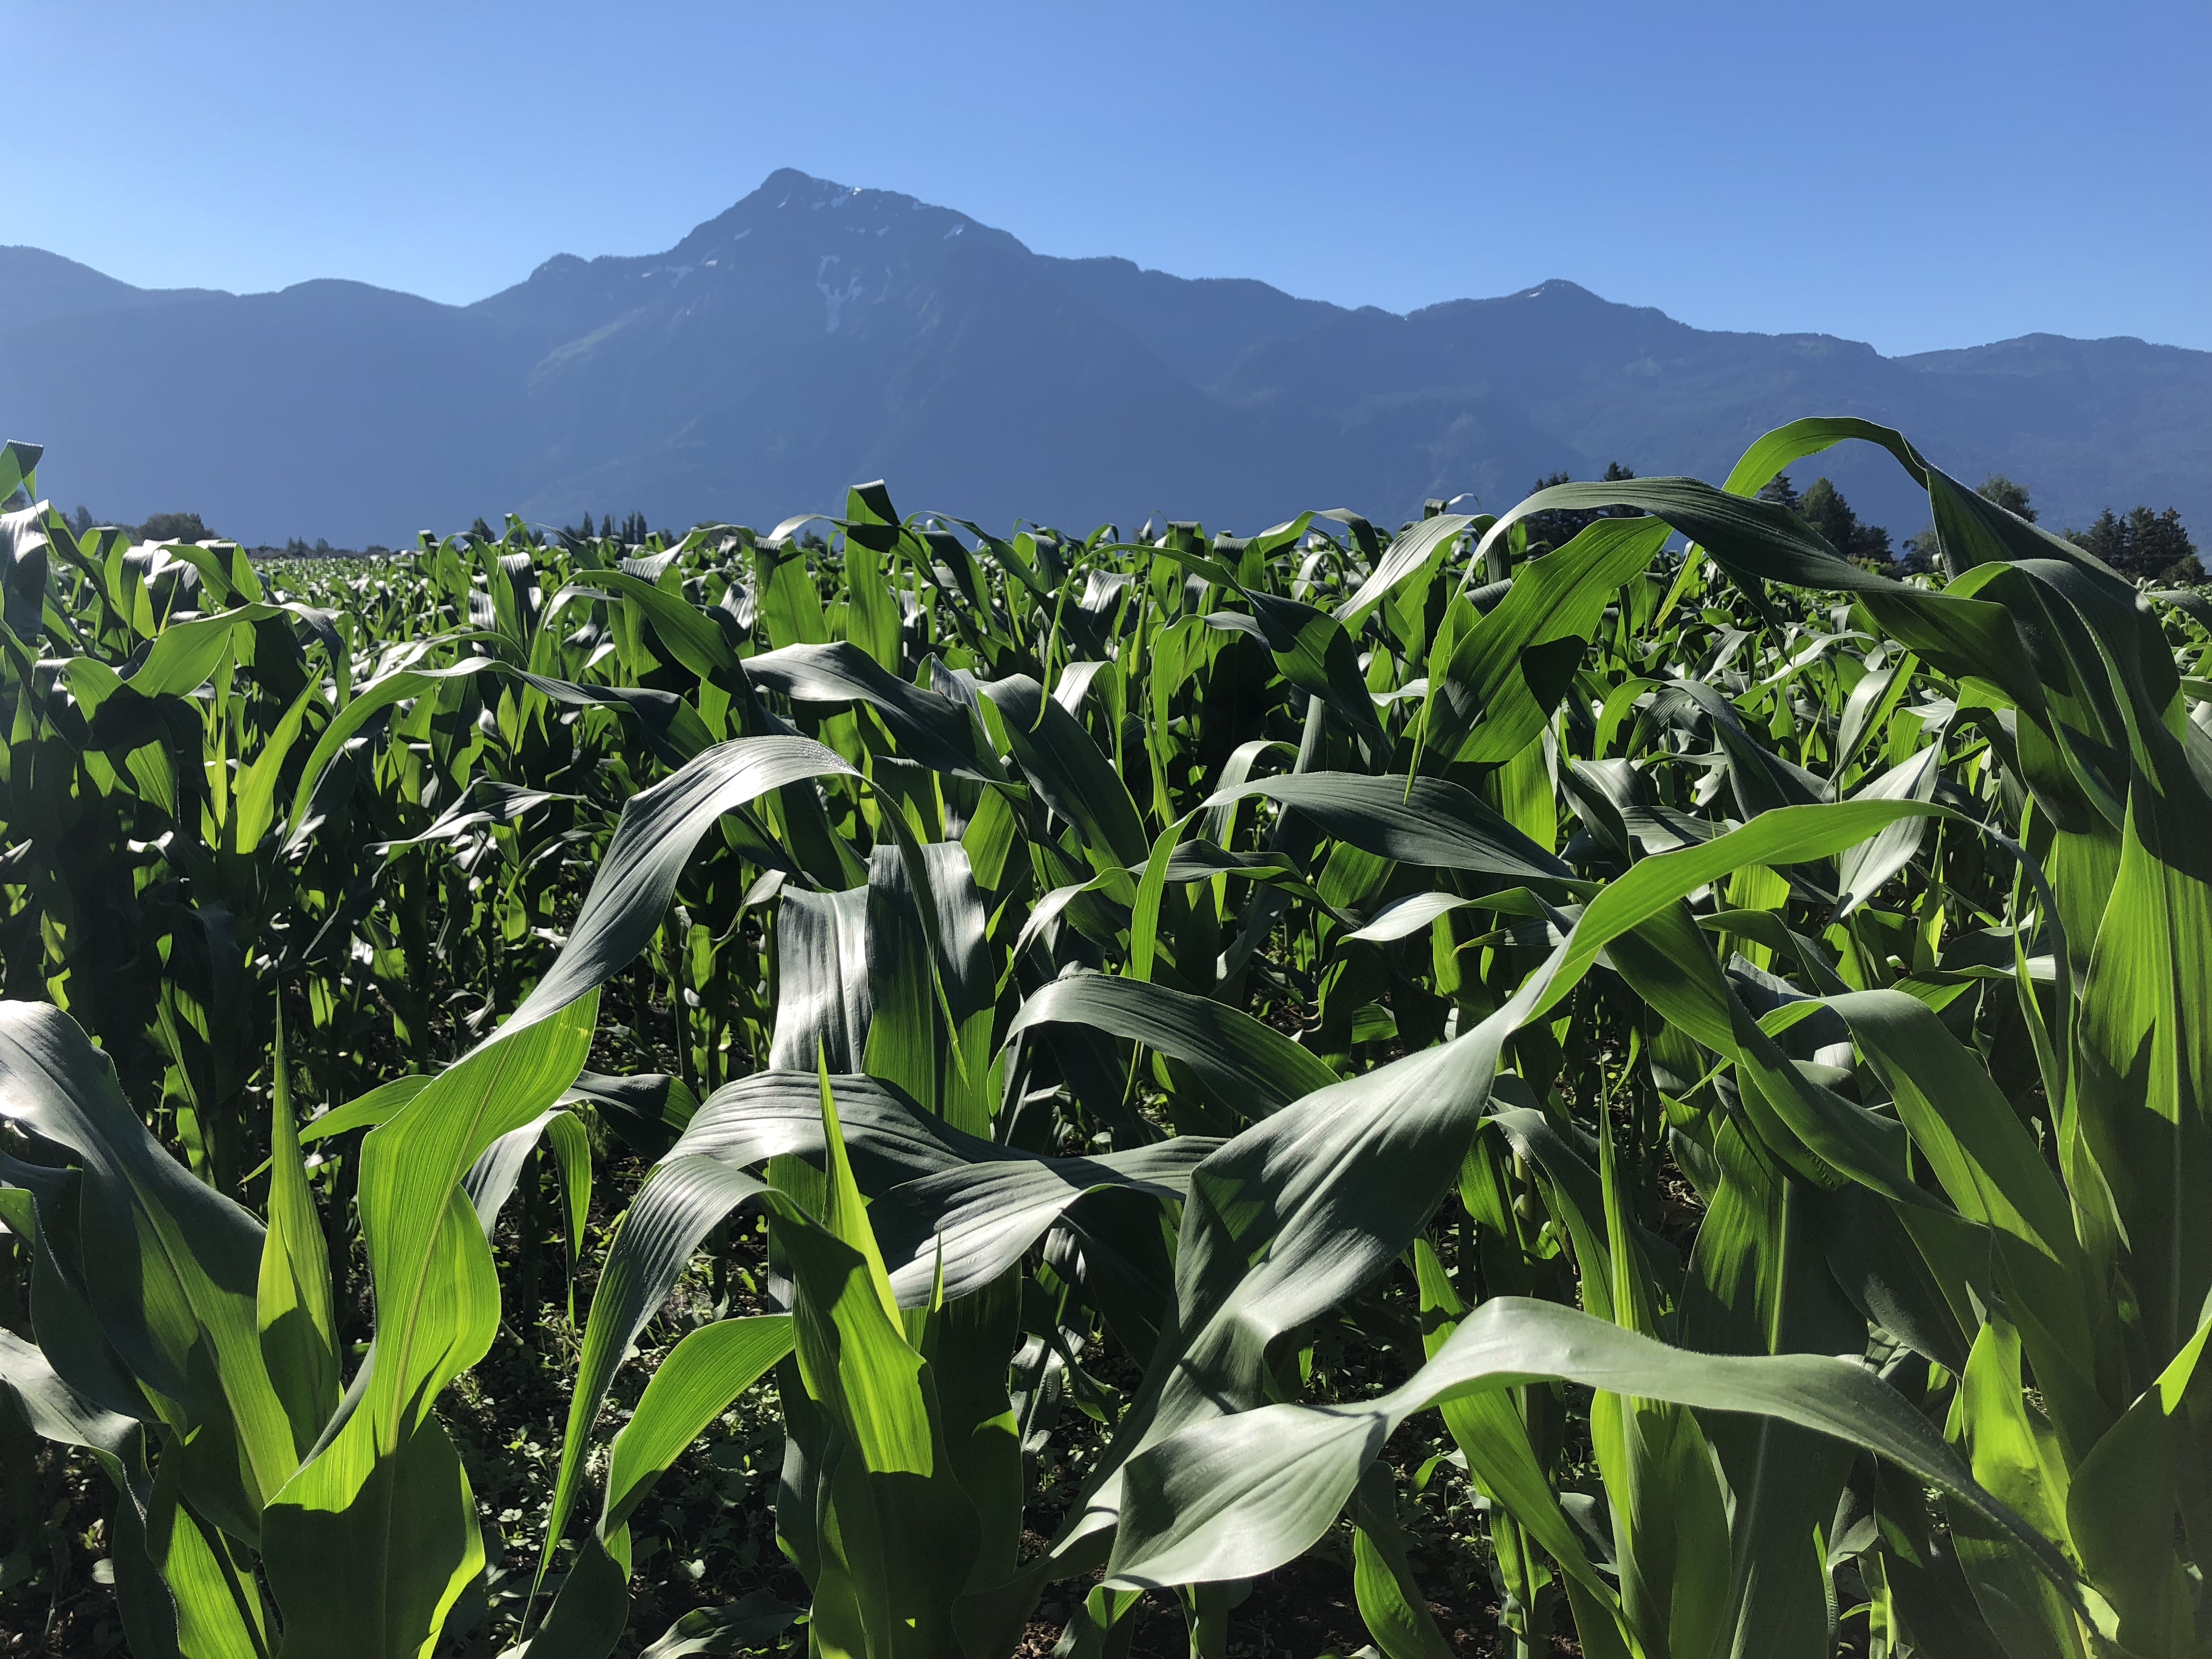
[{"x": 815, "y": 333}]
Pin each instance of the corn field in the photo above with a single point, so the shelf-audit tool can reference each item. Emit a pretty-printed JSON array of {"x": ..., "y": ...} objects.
[{"x": 1151, "y": 1064}]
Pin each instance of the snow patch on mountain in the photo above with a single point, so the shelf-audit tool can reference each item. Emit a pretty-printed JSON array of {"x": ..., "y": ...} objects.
[{"x": 833, "y": 300}]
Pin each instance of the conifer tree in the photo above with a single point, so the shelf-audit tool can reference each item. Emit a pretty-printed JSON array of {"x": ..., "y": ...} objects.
[
  {"x": 1824, "y": 507},
  {"x": 2013, "y": 497}
]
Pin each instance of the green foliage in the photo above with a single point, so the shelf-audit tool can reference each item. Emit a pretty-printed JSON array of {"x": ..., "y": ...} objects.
[
  {"x": 1825, "y": 509},
  {"x": 2143, "y": 544},
  {"x": 1120, "y": 1037},
  {"x": 1553, "y": 527},
  {"x": 174, "y": 527},
  {"x": 2008, "y": 495}
]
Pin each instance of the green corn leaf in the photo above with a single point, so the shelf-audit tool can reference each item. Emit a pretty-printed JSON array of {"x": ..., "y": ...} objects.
[
  {"x": 676, "y": 729},
  {"x": 1427, "y": 821},
  {"x": 703, "y": 1373},
  {"x": 1869, "y": 708},
  {"x": 822, "y": 1002},
  {"x": 399, "y": 1514},
  {"x": 1786, "y": 446},
  {"x": 1861, "y": 871},
  {"x": 1413, "y": 551},
  {"x": 437, "y": 1300},
  {"x": 949, "y": 1235},
  {"x": 791, "y": 607},
  {"x": 365, "y": 1111},
  {"x": 1501, "y": 1461},
  {"x": 2142, "y": 1071},
  {"x": 2015, "y": 1457},
  {"x": 684, "y": 1198},
  {"x": 57, "y": 1412},
  {"x": 492, "y": 1179},
  {"x": 1383, "y": 1581},
  {"x": 254, "y": 807},
  {"x": 698, "y": 1380},
  {"x": 1246, "y": 1066},
  {"x": 299, "y": 1333},
  {"x": 929, "y": 728},
  {"x": 173, "y": 1268},
  {"x": 888, "y": 1137},
  {"x": 1313, "y": 652},
  {"x": 1294, "y": 1213},
  {"x": 1152, "y": 892},
  {"x": 1238, "y": 1496},
  {"x": 1757, "y": 1285},
  {"x": 929, "y": 990},
  {"x": 750, "y": 1620},
  {"x": 691, "y": 635},
  {"x": 186, "y": 654},
  {"x": 2120, "y": 1501},
  {"x": 19, "y": 466},
  {"x": 218, "y": 1606},
  {"x": 871, "y": 617},
  {"x": 1078, "y": 782},
  {"x": 846, "y": 1214},
  {"x": 1995, "y": 1175},
  {"x": 1491, "y": 692},
  {"x": 637, "y": 877}
]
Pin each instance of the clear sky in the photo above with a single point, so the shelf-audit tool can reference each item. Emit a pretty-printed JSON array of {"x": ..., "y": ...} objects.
[{"x": 1918, "y": 175}]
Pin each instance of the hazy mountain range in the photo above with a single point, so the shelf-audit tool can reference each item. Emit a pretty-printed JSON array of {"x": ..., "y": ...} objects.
[{"x": 815, "y": 335}]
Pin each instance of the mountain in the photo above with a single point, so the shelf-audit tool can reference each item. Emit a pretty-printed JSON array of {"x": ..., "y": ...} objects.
[
  {"x": 815, "y": 335},
  {"x": 2085, "y": 423},
  {"x": 1199, "y": 326},
  {"x": 38, "y": 285}
]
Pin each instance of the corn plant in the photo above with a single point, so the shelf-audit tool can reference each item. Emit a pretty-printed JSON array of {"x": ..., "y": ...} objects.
[{"x": 1707, "y": 1033}]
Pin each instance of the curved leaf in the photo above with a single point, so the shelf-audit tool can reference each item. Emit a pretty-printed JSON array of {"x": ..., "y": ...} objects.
[
  {"x": 1248, "y": 1066},
  {"x": 1241, "y": 1495}
]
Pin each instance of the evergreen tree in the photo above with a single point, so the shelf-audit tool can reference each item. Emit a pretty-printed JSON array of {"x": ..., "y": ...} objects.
[
  {"x": 1824, "y": 507},
  {"x": 2160, "y": 549},
  {"x": 2013, "y": 497},
  {"x": 1556, "y": 526},
  {"x": 1780, "y": 491},
  {"x": 1552, "y": 526},
  {"x": 481, "y": 531},
  {"x": 80, "y": 521},
  {"x": 2144, "y": 545},
  {"x": 1616, "y": 473},
  {"x": 2107, "y": 539}
]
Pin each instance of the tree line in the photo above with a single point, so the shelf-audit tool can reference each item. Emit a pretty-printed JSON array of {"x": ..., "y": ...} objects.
[{"x": 2143, "y": 544}]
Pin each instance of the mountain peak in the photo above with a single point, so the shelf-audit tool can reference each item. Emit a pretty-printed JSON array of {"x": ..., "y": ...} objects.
[
  {"x": 1560, "y": 289},
  {"x": 788, "y": 179},
  {"x": 795, "y": 202},
  {"x": 813, "y": 332}
]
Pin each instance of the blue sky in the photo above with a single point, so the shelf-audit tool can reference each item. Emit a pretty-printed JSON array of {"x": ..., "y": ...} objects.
[{"x": 1918, "y": 176}]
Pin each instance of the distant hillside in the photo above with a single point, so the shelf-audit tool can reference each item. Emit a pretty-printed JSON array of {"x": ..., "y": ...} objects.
[
  {"x": 35, "y": 285},
  {"x": 814, "y": 335}
]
